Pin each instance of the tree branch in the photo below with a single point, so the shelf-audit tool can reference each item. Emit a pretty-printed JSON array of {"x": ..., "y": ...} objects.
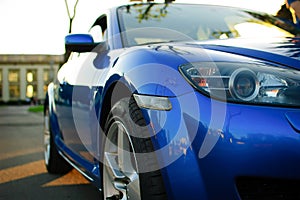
[{"x": 69, "y": 14}]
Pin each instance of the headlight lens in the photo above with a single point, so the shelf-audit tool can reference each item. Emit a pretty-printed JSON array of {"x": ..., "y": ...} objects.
[{"x": 245, "y": 82}]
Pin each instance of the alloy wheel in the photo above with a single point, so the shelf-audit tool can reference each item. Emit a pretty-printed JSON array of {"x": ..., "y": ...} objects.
[{"x": 120, "y": 174}]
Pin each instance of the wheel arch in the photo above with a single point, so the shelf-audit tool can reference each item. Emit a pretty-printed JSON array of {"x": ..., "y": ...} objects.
[{"x": 109, "y": 99}]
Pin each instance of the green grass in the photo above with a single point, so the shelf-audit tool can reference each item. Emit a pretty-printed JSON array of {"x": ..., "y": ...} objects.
[{"x": 36, "y": 109}]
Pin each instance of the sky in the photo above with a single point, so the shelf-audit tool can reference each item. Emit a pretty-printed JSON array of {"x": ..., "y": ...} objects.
[{"x": 39, "y": 26}]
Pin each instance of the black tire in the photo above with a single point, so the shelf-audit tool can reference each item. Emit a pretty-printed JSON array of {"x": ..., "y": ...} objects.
[
  {"x": 127, "y": 113},
  {"x": 54, "y": 162}
]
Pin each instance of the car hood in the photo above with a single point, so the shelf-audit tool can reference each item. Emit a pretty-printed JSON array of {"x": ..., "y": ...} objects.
[{"x": 285, "y": 51}]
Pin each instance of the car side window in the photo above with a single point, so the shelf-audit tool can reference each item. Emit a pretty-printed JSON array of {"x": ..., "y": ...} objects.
[
  {"x": 97, "y": 34},
  {"x": 99, "y": 29}
]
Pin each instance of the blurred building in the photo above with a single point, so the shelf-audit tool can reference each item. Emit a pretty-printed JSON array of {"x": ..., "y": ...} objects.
[{"x": 24, "y": 78}]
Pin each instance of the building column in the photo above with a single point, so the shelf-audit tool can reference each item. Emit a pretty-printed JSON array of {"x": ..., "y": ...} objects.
[
  {"x": 23, "y": 83},
  {"x": 5, "y": 85},
  {"x": 40, "y": 83}
]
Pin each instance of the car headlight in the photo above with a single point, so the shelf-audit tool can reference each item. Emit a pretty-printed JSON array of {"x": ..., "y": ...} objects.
[{"x": 255, "y": 83}]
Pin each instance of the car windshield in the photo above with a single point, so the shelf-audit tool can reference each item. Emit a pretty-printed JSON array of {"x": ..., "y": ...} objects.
[{"x": 154, "y": 23}]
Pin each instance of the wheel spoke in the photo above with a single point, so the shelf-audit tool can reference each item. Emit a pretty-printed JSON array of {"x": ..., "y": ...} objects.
[
  {"x": 133, "y": 188},
  {"x": 113, "y": 168},
  {"x": 126, "y": 155},
  {"x": 121, "y": 146}
]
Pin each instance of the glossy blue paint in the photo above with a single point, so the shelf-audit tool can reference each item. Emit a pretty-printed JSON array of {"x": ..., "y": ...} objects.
[
  {"x": 79, "y": 39},
  {"x": 252, "y": 142},
  {"x": 203, "y": 145}
]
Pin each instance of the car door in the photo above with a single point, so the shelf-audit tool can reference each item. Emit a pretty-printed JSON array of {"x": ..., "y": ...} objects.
[
  {"x": 77, "y": 83},
  {"x": 72, "y": 104}
]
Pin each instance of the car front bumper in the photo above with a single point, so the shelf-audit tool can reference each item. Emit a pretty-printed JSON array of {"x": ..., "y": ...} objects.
[{"x": 216, "y": 150}]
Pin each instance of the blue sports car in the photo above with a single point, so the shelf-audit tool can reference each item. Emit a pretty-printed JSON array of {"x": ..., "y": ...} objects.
[{"x": 179, "y": 101}]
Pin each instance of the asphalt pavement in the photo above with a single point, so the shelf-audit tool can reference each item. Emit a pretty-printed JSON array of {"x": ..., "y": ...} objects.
[{"x": 22, "y": 171}]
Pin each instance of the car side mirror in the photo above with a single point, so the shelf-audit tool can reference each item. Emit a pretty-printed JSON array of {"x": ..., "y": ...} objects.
[{"x": 81, "y": 43}]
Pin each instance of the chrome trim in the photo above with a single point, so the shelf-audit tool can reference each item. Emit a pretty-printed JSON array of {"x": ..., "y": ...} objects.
[{"x": 75, "y": 167}]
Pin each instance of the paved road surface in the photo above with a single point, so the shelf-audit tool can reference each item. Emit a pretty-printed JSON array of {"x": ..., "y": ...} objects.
[{"x": 22, "y": 171}]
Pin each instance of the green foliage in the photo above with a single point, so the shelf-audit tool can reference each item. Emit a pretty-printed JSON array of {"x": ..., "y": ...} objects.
[{"x": 36, "y": 109}]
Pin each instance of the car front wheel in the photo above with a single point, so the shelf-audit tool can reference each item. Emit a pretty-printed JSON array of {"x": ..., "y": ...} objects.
[{"x": 125, "y": 174}]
